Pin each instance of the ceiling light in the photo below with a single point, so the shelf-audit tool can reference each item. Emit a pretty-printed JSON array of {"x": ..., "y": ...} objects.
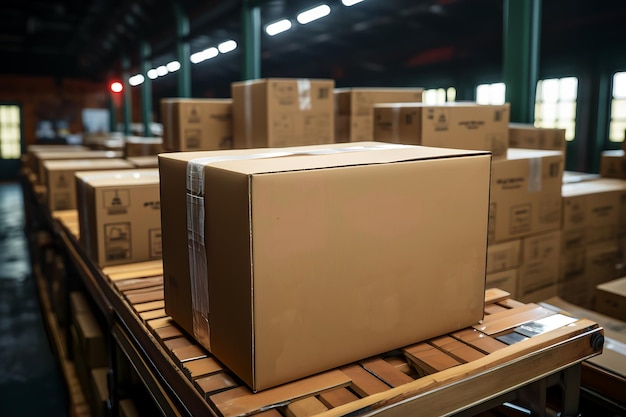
[
  {"x": 152, "y": 74},
  {"x": 208, "y": 53},
  {"x": 227, "y": 46},
  {"x": 162, "y": 70},
  {"x": 278, "y": 27},
  {"x": 136, "y": 80},
  {"x": 315, "y": 13},
  {"x": 350, "y": 2},
  {"x": 173, "y": 66},
  {"x": 196, "y": 57}
]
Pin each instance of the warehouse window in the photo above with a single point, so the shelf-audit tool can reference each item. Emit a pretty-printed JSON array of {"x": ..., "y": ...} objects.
[
  {"x": 617, "y": 127},
  {"x": 439, "y": 95},
  {"x": 490, "y": 93},
  {"x": 10, "y": 132},
  {"x": 555, "y": 104}
]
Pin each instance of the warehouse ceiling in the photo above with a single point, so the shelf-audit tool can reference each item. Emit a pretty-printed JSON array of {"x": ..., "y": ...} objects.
[{"x": 86, "y": 39}]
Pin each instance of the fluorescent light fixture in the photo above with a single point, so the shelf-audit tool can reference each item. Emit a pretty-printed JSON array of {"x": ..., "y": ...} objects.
[
  {"x": 350, "y": 2},
  {"x": 136, "y": 80},
  {"x": 278, "y": 27},
  {"x": 227, "y": 46},
  {"x": 315, "y": 13},
  {"x": 162, "y": 70},
  {"x": 196, "y": 57},
  {"x": 152, "y": 74},
  {"x": 173, "y": 66},
  {"x": 208, "y": 53}
]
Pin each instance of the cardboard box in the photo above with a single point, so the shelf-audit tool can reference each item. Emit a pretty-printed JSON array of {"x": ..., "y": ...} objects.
[
  {"x": 278, "y": 112},
  {"x": 197, "y": 124},
  {"x": 41, "y": 157},
  {"x": 613, "y": 164},
  {"x": 453, "y": 125},
  {"x": 503, "y": 256},
  {"x": 525, "y": 194},
  {"x": 540, "y": 266},
  {"x": 142, "y": 146},
  {"x": 59, "y": 178},
  {"x": 504, "y": 280},
  {"x": 151, "y": 161},
  {"x": 354, "y": 109},
  {"x": 593, "y": 211},
  {"x": 570, "y": 177},
  {"x": 611, "y": 298},
  {"x": 119, "y": 215},
  {"x": 582, "y": 269},
  {"x": 391, "y": 233},
  {"x": 528, "y": 136}
]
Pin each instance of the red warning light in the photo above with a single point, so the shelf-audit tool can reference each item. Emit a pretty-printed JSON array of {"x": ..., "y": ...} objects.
[{"x": 116, "y": 87}]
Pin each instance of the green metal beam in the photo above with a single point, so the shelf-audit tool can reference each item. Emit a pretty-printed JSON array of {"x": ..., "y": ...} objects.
[
  {"x": 251, "y": 26},
  {"x": 146, "y": 89},
  {"x": 522, "y": 27},
  {"x": 127, "y": 102},
  {"x": 183, "y": 51}
]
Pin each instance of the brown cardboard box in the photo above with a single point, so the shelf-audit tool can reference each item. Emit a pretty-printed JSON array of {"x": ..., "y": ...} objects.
[
  {"x": 582, "y": 269},
  {"x": 279, "y": 112},
  {"x": 59, "y": 178},
  {"x": 593, "y": 211},
  {"x": 30, "y": 161},
  {"x": 504, "y": 280},
  {"x": 119, "y": 215},
  {"x": 41, "y": 157},
  {"x": 354, "y": 109},
  {"x": 613, "y": 164},
  {"x": 530, "y": 137},
  {"x": 503, "y": 256},
  {"x": 197, "y": 124},
  {"x": 151, "y": 161},
  {"x": 570, "y": 177},
  {"x": 452, "y": 125},
  {"x": 142, "y": 146},
  {"x": 341, "y": 248},
  {"x": 540, "y": 265},
  {"x": 525, "y": 194},
  {"x": 611, "y": 298}
]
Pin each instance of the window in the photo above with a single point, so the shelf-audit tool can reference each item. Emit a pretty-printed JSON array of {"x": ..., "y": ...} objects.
[
  {"x": 555, "y": 104},
  {"x": 439, "y": 95},
  {"x": 617, "y": 126},
  {"x": 10, "y": 132},
  {"x": 490, "y": 93}
]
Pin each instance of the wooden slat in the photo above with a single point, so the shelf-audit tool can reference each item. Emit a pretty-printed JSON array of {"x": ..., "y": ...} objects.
[
  {"x": 158, "y": 323},
  {"x": 145, "y": 297},
  {"x": 168, "y": 332},
  {"x": 511, "y": 318},
  {"x": 458, "y": 350},
  {"x": 152, "y": 314},
  {"x": 494, "y": 308},
  {"x": 177, "y": 343},
  {"x": 139, "y": 273},
  {"x": 150, "y": 305},
  {"x": 478, "y": 340},
  {"x": 427, "y": 359},
  {"x": 189, "y": 353},
  {"x": 200, "y": 367},
  {"x": 400, "y": 363},
  {"x": 214, "y": 383},
  {"x": 494, "y": 295},
  {"x": 143, "y": 290},
  {"x": 305, "y": 407},
  {"x": 510, "y": 303},
  {"x": 364, "y": 383},
  {"x": 136, "y": 266},
  {"x": 243, "y": 402},
  {"x": 337, "y": 397},
  {"x": 386, "y": 372}
]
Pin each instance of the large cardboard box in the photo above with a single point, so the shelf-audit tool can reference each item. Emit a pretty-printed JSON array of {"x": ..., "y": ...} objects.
[
  {"x": 613, "y": 164},
  {"x": 41, "y": 157},
  {"x": 119, "y": 215},
  {"x": 354, "y": 109},
  {"x": 30, "y": 161},
  {"x": 142, "y": 146},
  {"x": 312, "y": 247},
  {"x": 503, "y": 256},
  {"x": 453, "y": 125},
  {"x": 277, "y": 112},
  {"x": 151, "y": 161},
  {"x": 611, "y": 298},
  {"x": 197, "y": 124},
  {"x": 530, "y": 137},
  {"x": 504, "y": 280},
  {"x": 59, "y": 178},
  {"x": 593, "y": 211},
  {"x": 540, "y": 266},
  {"x": 525, "y": 194}
]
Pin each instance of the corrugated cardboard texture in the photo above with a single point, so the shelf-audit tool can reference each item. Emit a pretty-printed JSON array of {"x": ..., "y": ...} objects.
[{"x": 528, "y": 136}]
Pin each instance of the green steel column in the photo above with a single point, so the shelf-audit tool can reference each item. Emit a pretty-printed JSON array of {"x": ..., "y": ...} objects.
[
  {"x": 183, "y": 51},
  {"x": 146, "y": 89},
  {"x": 251, "y": 26},
  {"x": 112, "y": 113},
  {"x": 127, "y": 102},
  {"x": 522, "y": 27}
]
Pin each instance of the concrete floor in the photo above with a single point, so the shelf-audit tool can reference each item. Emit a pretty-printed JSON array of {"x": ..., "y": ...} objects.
[{"x": 31, "y": 383}]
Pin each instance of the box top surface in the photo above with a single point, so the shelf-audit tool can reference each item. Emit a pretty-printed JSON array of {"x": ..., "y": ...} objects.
[
  {"x": 119, "y": 178},
  {"x": 143, "y": 159},
  {"x": 56, "y": 148},
  {"x": 615, "y": 153},
  {"x": 573, "y": 176},
  {"x": 79, "y": 154},
  {"x": 143, "y": 140},
  {"x": 600, "y": 185},
  {"x": 455, "y": 104},
  {"x": 197, "y": 100},
  {"x": 267, "y": 80},
  {"x": 617, "y": 286},
  {"x": 530, "y": 126},
  {"x": 84, "y": 164},
  {"x": 379, "y": 89},
  {"x": 519, "y": 153}
]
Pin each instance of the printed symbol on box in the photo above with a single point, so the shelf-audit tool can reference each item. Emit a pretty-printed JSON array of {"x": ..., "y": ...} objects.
[
  {"x": 193, "y": 138},
  {"x": 116, "y": 201},
  {"x": 284, "y": 94},
  {"x": 194, "y": 117},
  {"x": 520, "y": 218},
  {"x": 154, "y": 240},
  {"x": 117, "y": 241},
  {"x": 441, "y": 120},
  {"x": 323, "y": 93}
]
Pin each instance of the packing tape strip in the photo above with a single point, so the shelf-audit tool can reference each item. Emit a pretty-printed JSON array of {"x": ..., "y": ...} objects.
[
  {"x": 534, "y": 175},
  {"x": 304, "y": 94},
  {"x": 247, "y": 111}
]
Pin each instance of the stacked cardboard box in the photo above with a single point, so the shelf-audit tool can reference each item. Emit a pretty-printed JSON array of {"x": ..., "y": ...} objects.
[
  {"x": 613, "y": 164},
  {"x": 144, "y": 161},
  {"x": 41, "y": 157},
  {"x": 119, "y": 215},
  {"x": 381, "y": 233},
  {"x": 354, "y": 109},
  {"x": 611, "y": 298},
  {"x": 279, "y": 112},
  {"x": 453, "y": 125},
  {"x": 196, "y": 124},
  {"x": 527, "y": 136},
  {"x": 142, "y": 146},
  {"x": 503, "y": 260},
  {"x": 593, "y": 225}
]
